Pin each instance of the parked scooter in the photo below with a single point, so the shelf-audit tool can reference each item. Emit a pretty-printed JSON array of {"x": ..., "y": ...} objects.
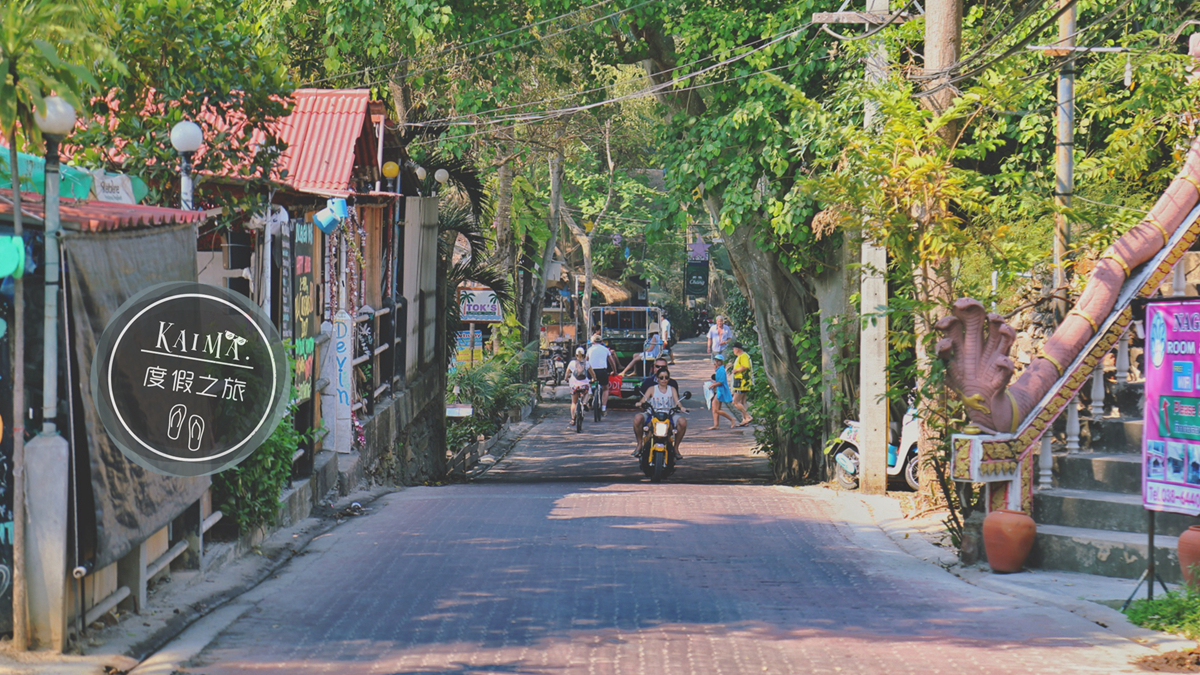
[
  {"x": 657, "y": 456},
  {"x": 901, "y": 451}
]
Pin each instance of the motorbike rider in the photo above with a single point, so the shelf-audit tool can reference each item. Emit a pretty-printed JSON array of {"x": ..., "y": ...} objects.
[
  {"x": 663, "y": 394},
  {"x": 579, "y": 376}
]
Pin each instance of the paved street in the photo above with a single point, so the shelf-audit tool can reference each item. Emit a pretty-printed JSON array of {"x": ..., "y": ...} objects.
[{"x": 563, "y": 559}]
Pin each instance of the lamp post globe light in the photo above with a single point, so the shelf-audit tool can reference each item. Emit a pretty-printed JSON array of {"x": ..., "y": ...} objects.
[
  {"x": 55, "y": 124},
  {"x": 441, "y": 176},
  {"x": 186, "y": 138},
  {"x": 390, "y": 171},
  {"x": 421, "y": 173}
]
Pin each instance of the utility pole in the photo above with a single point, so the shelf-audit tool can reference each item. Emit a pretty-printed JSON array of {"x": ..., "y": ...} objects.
[
  {"x": 1064, "y": 156},
  {"x": 873, "y": 408}
]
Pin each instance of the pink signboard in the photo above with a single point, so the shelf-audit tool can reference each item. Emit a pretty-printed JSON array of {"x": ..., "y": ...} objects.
[{"x": 1171, "y": 433}]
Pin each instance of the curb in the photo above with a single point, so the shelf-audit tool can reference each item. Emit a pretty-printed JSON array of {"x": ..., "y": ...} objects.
[
  {"x": 279, "y": 554},
  {"x": 876, "y": 508}
]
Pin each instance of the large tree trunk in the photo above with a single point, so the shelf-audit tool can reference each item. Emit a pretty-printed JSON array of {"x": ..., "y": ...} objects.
[
  {"x": 780, "y": 299},
  {"x": 782, "y": 304},
  {"x": 536, "y": 284},
  {"x": 585, "y": 247},
  {"x": 502, "y": 219}
]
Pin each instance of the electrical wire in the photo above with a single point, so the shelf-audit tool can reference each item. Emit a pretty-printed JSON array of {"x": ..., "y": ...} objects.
[
  {"x": 448, "y": 50},
  {"x": 644, "y": 93},
  {"x": 658, "y": 88},
  {"x": 548, "y": 36},
  {"x": 447, "y": 121}
]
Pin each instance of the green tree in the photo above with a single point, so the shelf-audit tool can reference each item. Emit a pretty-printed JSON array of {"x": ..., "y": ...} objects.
[
  {"x": 42, "y": 44},
  {"x": 209, "y": 61}
]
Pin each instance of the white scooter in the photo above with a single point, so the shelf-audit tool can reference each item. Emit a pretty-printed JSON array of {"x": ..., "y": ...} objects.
[{"x": 901, "y": 455}]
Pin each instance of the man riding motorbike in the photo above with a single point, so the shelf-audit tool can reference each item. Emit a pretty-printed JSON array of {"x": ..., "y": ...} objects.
[{"x": 639, "y": 420}]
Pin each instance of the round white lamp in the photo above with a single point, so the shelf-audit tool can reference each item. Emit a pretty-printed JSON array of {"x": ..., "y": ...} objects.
[
  {"x": 441, "y": 176},
  {"x": 59, "y": 119},
  {"x": 421, "y": 173},
  {"x": 186, "y": 137}
]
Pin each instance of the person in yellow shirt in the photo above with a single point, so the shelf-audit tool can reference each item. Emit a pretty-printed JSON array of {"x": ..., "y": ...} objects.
[{"x": 741, "y": 382}]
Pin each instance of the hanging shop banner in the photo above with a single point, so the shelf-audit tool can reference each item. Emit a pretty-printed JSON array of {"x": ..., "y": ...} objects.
[
  {"x": 696, "y": 278},
  {"x": 189, "y": 379},
  {"x": 304, "y": 317},
  {"x": 479, "y": 305},
  {"x": 1171, "y": 431}
]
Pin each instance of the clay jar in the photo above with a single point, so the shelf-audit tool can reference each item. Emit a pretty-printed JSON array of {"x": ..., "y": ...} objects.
[
  {"x": 1189, "y": 553},
  {"x": 1008, "y": 537}
]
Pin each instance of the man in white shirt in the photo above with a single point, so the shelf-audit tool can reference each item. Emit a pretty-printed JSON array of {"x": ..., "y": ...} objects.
[
  {"x": 665, "y": 330},
  {"x": 601, "y": 359},
  {"x": 720, "y": 336}
]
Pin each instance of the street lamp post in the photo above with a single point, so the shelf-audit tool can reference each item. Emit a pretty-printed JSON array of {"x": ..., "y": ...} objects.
[
  {"x": 186, "y": 138},
  {"x": 48, "y": 457},
  {"x": 441, "y": 176}
]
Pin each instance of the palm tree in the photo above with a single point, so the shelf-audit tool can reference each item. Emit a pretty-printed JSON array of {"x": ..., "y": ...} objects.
[
  {"x": 456, "y": 219},
  {"x": 32, "y": 32}
]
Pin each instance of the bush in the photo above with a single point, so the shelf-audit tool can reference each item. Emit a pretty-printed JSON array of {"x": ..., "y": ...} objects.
[
  {"x": 1176, "y": 612},
  {"x": 248, "y": 494},
  {"x": 492, "y": 389}
]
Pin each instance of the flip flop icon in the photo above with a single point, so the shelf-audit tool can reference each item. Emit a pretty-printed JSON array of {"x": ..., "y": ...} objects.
[
  {"x": 175, "y": 421},
  {"x": 195, "y": 432}
]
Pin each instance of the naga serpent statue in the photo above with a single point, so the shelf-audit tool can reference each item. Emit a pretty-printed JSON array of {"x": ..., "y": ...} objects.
[{"x": 976, "y": 343}]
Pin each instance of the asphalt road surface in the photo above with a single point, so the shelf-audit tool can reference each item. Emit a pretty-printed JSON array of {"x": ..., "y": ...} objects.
[{"x": 565, "y": 559}]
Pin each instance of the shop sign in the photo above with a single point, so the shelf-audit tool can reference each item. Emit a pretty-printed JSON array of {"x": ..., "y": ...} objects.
[
  {"x": 1171, "y": 429},
  {"x": 189, "y": 378}
]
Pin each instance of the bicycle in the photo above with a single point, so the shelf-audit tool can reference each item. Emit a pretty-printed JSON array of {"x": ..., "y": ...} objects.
[
  {"x": 579, "y": 407},
  {"x": 597, "y": 399}
]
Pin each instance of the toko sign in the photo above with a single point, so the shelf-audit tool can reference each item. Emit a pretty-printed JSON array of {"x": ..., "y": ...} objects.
[
  {"x": 479, "y": 305},
  {"x": 1171, "y": 431}
]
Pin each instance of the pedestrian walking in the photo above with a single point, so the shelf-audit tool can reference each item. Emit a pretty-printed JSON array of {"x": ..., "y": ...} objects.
[
  {"x": 742, "y": 379},
  {"x": 721, "y": 393},
  {"x": 720, "y": 335},
  {"x": 668, "y": 338}
]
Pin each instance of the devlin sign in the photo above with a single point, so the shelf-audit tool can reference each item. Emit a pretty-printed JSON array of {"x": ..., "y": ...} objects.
[
  {"x": 189, "y": 379},
  {"x": 1171, "y": 434}
]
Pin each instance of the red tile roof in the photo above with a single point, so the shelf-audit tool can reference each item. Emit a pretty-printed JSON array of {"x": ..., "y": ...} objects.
[
  {"x": 323, "y": 133},
  {"x": 96, "y": 216}
]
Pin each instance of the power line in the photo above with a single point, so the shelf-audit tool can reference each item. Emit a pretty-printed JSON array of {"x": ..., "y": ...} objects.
[
  {"x": 448, "y": 50},
  {"x": 450, "y": 120},
  {"x": 516, "y": 46},
  {"x": 664, "y": 86},
  {"x": 643, "y": 93}
]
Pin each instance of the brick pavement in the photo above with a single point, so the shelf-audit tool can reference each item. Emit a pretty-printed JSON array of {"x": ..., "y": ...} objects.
[{"x": 563, "y": 559}]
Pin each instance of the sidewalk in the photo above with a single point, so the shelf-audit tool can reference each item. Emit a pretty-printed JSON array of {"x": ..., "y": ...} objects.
[{"x": 1094, "y": 598}]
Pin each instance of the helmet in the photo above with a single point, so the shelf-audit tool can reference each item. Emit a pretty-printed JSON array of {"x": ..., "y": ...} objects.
[{"x": 580, "y": 351}]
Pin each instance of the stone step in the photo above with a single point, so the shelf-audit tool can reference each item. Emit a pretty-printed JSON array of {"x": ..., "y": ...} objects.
[
  {"x": 1107, "y": 472},
  {"x": 1114, "y": 434},
  {"x": 1110, "y": 554},
  {"x": 1109, "y": 511}
]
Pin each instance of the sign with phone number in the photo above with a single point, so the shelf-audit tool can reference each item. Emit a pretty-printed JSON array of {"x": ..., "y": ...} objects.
[{"x": 1171, "y": 429}]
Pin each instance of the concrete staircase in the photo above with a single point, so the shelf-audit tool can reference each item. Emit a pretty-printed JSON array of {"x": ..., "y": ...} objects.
[{"x": 1092, "y": 519}]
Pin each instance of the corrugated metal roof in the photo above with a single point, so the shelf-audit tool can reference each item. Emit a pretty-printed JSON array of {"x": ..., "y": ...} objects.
[
  {"x": 96, "y": 216},
  {"x": 322, "y": 134}
]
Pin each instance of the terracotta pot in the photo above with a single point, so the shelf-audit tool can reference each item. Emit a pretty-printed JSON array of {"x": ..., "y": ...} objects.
[
  {"x": 1007, "y": 538},
  {"x": 1189, "y": 552}
]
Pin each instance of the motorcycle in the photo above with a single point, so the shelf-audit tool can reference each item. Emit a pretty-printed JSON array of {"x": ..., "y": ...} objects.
[
  {"x": 657, "y": 456},
  {"x": 901, "y": 452},
  {"x": 552, "y": 366}
]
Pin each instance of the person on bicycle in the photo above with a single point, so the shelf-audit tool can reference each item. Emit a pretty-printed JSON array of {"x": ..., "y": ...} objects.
[
  {"x": 579, "y": 376},
  {"x": 663, "y": 395},
  {"x": 602, "y": 361}
]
